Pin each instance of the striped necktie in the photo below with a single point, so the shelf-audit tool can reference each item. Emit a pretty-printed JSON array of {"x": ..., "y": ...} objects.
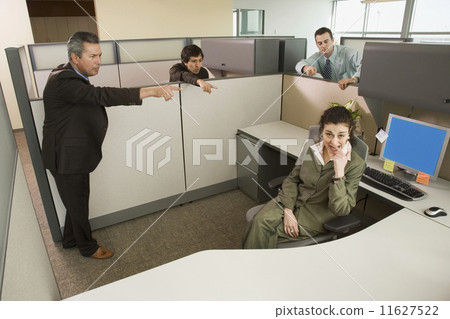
[{"x": 327, "y": 70}]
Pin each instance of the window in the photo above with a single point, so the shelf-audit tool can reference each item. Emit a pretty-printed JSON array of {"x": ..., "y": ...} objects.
[
  {"x": 431, "y": 16},
  {"x": 386, "y": 17},
  {"x": 422, "y": 20},
  {"x": 349, "y": 18},
  {"x": 430, "y": 23},
  {"x": 248, "y": 22}
]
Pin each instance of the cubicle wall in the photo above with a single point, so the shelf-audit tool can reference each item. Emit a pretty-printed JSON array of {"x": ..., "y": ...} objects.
[
  {"x": 8, "y": 161},
  {"x": 45, "y": 57},
  {"x": 305, "y": 99},
  {"x": 358, "y": 43},
  {"x": 125, "y": 63},
  {"x": 142, "y": 160},
  {"x": 164, "y": 153},
  {"x": 210, "y": 123},
  {"x": 146, "y": 62},
  {"x": 408, "y": 64},
  {"x": 19, "y": 69},
  {"x": 159, "y": 154},
  {"x": 245, "y": 56}
]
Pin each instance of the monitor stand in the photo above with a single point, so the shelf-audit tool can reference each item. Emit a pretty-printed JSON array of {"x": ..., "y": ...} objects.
[{"x": 408, "y": 175}]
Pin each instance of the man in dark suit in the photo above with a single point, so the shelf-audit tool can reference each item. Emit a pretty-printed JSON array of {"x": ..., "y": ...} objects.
[{"x": 74, "y": 128}]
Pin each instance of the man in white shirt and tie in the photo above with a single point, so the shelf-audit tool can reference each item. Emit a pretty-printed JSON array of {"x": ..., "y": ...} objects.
[{"x": 334, "y": 62}]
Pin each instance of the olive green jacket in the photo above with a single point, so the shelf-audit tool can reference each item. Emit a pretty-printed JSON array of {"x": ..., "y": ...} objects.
[{"x": 313, "y": 197}]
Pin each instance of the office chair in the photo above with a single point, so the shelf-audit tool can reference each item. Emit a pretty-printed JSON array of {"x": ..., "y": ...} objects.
[{"x": 337, "y": 226}]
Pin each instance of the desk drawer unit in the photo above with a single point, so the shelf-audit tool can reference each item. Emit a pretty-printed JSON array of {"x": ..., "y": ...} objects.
[{"x": 257, "y": 164}]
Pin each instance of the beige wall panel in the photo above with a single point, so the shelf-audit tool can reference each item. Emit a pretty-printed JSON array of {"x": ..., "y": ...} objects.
[
  {"x": 305, "y": 99},
  {"x": 62, "y": 28},
  {"x": 39, "y": 29},
  {"x": 135, "y": 19},
  {"x": 52, "y": 29}
]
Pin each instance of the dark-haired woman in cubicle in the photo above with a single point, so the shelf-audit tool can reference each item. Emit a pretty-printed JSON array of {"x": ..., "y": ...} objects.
[{"x": 322, "y": 185}]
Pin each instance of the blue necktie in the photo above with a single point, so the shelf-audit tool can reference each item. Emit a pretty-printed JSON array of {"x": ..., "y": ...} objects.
[{"x": 327, "y": 70}]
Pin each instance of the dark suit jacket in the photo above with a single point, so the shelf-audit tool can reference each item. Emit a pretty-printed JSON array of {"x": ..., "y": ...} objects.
[{"x": 75, "y": 120}]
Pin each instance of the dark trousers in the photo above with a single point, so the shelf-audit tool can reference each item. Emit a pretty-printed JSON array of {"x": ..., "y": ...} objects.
[{"x": 74, "y": 191}]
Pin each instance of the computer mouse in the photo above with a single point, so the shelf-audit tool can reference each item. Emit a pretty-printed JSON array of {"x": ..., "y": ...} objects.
[{"x": 435, "y": 212}]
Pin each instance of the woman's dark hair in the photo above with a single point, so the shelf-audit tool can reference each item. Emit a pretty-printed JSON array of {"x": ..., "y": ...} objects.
[
  {"x": 190, "y": 50},
  {"x": 337, "y": 115},
  {"x": 75, "y": 43}
]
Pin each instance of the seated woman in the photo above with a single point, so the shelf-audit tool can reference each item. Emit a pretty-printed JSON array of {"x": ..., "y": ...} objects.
[{"x": 321, "y": 186}]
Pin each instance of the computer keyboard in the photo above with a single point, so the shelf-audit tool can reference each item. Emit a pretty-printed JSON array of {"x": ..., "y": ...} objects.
[{"x": 392, "y": 185}]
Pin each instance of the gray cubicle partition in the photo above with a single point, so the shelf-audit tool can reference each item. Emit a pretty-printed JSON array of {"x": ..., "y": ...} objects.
[
  {"x": 17, "y": 66},
  {"x": 292, "y": 50},
  {"x": 146, "y": 62},
  {"x": 159, "y": 154},
  {"x": 407, "y": 73},
  {"x": 46, "y": 56},
  {"x": 149, "y": 151},
  {"x": 8, "y": 162},
  {"x": 242, "y": 55},
  {"x": 359, "y": 42},
  {"x": 125, "y": 63},
  {"x": 210, "y": 123}
]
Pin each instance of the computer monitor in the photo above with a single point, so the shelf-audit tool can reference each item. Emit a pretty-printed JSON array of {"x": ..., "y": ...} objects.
[{"x": 415, "y": 146}]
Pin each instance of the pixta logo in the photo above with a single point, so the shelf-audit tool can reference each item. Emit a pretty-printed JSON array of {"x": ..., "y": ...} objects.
[{"x": 141, "y": 148}]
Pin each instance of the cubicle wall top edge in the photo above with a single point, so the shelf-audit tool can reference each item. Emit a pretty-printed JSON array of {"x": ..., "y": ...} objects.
[
  {"x": 146, "y": 61},
  {"x": 36, "y": 45},
  {"x": 342, "y": 39}
]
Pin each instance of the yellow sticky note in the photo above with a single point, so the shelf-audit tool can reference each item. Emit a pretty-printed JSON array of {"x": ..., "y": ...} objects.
[
  {"x": 389, "y": 165},
  {"x": 423, "y": 178}
]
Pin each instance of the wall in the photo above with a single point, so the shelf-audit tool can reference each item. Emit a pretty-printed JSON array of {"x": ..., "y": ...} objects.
[
  {"x": 59, "y": 29},
  {"x": 163, "y": 19},
  {"x": 13, "y": 17},
  {"x": 300, "y": 18},
  {"x": 305, "y": 99},
  {"x": 8, "y": 159}
]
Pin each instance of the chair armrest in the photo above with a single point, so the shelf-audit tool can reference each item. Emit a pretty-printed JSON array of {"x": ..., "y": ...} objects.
[
  {"x": 276, "y": 182},
  {"x": 342, "y": 224}
]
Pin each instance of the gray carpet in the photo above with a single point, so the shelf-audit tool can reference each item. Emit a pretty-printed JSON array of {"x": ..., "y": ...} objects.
[{"x": 216, "y": 222}]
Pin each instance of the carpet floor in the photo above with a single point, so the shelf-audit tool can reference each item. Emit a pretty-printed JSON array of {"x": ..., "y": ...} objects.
[{"x": 216, "y": 222}]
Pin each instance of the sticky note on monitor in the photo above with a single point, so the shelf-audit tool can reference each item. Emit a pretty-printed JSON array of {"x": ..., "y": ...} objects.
[
  {"x": 381, "y": 136},
  {"x": 423, "y": 178},
  {"x": 389, "y": 165}
]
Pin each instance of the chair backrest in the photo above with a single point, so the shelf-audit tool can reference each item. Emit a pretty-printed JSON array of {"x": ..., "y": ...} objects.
[
  {"x": 314, "y": 133},
  {"x": 359, "y": 146}
]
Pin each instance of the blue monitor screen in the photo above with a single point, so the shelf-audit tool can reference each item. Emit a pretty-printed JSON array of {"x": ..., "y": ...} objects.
[{"x": 414, "y": 145}]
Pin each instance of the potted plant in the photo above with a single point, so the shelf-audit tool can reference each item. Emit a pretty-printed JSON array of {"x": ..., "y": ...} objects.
[{"x": 351, "y": 106}]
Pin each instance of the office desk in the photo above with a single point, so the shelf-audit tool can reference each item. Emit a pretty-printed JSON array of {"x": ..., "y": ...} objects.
[
  {"x": 402, "y": 257},
  {"x": 438, "y": 194},
  {"x": 438, "y": 190}
]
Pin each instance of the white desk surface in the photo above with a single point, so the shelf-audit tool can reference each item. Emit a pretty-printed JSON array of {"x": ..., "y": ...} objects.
[
  {"x": 438, "y": 190},
  {"x": 273, "y": 131},
  {"x": 402, "y": 257},
  {"x": 438, "y": 194},
  {"x": 405, "y": 256}
]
